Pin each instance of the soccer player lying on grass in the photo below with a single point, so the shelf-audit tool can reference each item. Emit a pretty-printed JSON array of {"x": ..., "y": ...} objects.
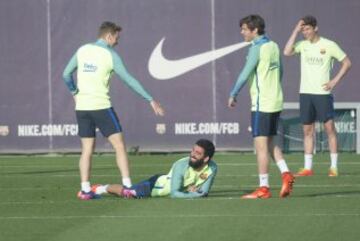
[{"x": 189, "y": 177}]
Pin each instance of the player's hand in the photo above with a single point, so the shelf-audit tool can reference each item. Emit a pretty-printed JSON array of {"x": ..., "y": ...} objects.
[
  {"x": 329, "y": 86},
  {"x": 192, "y": 188},
  {"x": 158, "y": 110},
  {"x": 231, "y": 102},
  {"x": 299, "y": 26}
]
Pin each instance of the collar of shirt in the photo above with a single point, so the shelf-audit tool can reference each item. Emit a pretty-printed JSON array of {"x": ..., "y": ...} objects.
[
  {"x": 102, "y": 42},
  {"x": 260, "y": 40}
]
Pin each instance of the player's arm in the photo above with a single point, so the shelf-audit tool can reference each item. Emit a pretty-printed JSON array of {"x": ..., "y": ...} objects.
[
  {"x": 134, "y": 84},
  {"x": 250, "y": 66},
  {"x": 67, "y": 75},
  {"x": 281, "y": 69},
  {"x": 345, "y": 66},
  {"x": 289, "y": 49},
  {"x": 176, "y": 185},
  {"x": 205, "y": 187}
]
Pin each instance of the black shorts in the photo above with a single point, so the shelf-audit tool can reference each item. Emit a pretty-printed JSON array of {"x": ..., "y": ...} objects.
[
  {"x": 264, "y": 124},
  {"x": 106, "y": 120},
  {"x": 316, "y": 108}
]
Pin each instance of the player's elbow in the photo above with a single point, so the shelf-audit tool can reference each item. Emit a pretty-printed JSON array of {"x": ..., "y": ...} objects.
[
  {"x": 66, "y": 76},
  {"x": 348, "y": 63},
  {"x": 287, "y": 52},
  {"x": 173, "y": 195}
]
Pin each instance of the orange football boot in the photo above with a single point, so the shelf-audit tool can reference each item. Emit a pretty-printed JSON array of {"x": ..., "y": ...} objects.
[
  {"x": 333, "y": 172},
  {"x": 304, "y": 173},
  {"x": 261, "y": 192},
  {"x": 288, "y": 180}
]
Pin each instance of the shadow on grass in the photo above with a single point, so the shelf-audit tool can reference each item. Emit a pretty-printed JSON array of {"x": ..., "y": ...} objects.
[
  {"x": 329, "y": 194},
  {"x": 229, "y": 193}
]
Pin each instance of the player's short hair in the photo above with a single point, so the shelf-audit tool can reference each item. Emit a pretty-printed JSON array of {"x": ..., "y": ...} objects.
[
  {"x": 310, "y": 20},
  {"x": 108, "y": 27},
  {"x": 254, "y": 21},
  {"x": 208, "y": 147}
]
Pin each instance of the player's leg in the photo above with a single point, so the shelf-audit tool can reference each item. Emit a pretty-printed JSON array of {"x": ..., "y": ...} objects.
[
  {"x": 122, "y": 161},
  {"x": 114, "y": 189},
  {"x": 274, "y": 150},
  {"x": 277, "y": 155},
  {"x": 262, "y": 156},
  {"x": 309, "y": 132},
  {"x": 287, "y": 177},
  {"x": 307, "y": 116},
  {"x": 325, "y": 112},
  {"x": 87, "y": 149},
  {"x": 110, "y": 127},
  {"x": 87, "y": 134},
  {"x": 142, "y": 189},
  {"x": 331, "y": 132}
]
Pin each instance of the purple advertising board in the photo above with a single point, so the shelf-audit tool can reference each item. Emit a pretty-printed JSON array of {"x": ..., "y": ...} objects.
[{"x": 40, "y": 36}]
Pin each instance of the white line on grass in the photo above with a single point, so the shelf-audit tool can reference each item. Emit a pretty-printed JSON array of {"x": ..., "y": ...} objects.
[
  {"x": 159, "y": 165},
  {"x": 184, "y": 216},
  {"x": 116, "y": 200}
]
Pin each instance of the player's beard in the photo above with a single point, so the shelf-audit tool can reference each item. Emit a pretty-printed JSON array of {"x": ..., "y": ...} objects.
[{"x": 196, "y": 164}]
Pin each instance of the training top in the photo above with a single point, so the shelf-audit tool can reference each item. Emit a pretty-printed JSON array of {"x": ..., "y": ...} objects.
[
  {"x": 263, "y": 72},
  {"x": 95, "y": 63},
  {"x": 181, "y": 176},
  {"x": 316, "y": 63}
]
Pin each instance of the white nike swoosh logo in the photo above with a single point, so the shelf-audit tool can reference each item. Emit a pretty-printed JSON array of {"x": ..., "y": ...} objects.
[{"x": 162, "y": 68}]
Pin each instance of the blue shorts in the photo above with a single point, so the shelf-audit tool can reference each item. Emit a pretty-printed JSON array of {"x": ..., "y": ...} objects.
[
  {"x": 264, "y": 124},
  {"x": 106, "y": 120},
  {"x": 316, "y": 108},
  {"x": 144, "y": 188}
]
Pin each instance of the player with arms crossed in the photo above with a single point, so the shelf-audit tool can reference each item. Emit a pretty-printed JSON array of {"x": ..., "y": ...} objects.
[
  {"x": 189, "y": 177},
  {"x": 95, "y": 63},
  {"x": 263, "y": 72},
  {"x": 316, "y": 101}
]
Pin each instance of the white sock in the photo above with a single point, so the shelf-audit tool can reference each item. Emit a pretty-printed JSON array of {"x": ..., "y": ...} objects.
[
  {"x": 85, "y": 186},
  {"x": 102, "y": 189},
  {"x": 264, "y": 180},
  {"x": 308, "y": 159},
  {"x": 126, "y": 181},
  {"x": 282, "y": 166},
  {"x": 334, "y": 159}
]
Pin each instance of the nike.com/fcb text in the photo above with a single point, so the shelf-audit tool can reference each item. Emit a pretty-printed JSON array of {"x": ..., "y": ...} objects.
[{"x": 203, "y": 128}]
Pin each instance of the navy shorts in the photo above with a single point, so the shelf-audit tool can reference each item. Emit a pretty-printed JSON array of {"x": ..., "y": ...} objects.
[
  {"x": 143, "y": 189},
  {"x": 106, "y": 120},
  {"x": 264, "y": 124},
  {"x": 316, "y": 108}
]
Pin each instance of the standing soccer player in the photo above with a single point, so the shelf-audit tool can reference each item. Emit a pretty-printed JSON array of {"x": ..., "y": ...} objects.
[
  {"x": 316, "y": 101},
  {"x": 95, "y": 63},
  {"x": 263, "y": 72}
]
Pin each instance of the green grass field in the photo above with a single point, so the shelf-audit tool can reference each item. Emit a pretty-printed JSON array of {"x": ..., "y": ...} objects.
[{"x": 38, "y": 202}]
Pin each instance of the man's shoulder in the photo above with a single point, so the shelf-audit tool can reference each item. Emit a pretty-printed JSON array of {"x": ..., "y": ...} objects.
[
  {"x": 96, "y": 45},
  {"x": 328, "y": 42},
  {"x": 212, "y": 163},
  {"x": 182, "y": 161},
  {"x": 269, "y": 45}
]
